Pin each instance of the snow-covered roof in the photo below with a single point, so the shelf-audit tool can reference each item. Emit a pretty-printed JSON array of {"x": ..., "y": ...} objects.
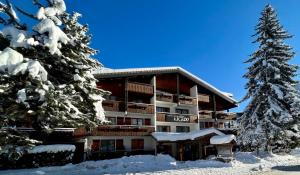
[
  {"x": 222, "y": 139},
  {"x": 172, "y": 137},
  {"x": 106, "y": 72}
]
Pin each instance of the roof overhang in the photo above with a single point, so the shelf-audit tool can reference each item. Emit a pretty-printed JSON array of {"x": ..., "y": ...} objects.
[{"x": 113, "y": 73}]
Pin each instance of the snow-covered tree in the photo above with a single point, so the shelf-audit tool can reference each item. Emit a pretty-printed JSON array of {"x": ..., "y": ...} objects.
[
  {"x": 46, "y": 79},
  {"x": 271, "y": 120}
]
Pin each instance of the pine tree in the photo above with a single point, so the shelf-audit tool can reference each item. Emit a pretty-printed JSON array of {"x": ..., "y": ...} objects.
[
  {"x": 46, "y": 76},
  {"x": 270, "y": 121}
]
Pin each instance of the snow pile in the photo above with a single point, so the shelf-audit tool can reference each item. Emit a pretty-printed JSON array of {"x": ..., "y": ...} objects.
[
  {"x": 223, "y": 139},
  {"x": 18, "y": 38},
  {"x": 13, "y": 63},
  {"x": 245, "y": 163},
  {"x": 55, "y": 35},
  {"x": 51, "y": 148},
  {"x": 170, "y": 136}
]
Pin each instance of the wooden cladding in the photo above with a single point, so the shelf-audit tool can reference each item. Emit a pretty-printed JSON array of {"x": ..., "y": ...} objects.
[
  {"x": 187, "y": 100},
  {"x": 163, "y": 96},
  {"x": 125, "y": 130},
  {"x": 109, "y": 105},
  {"x": 140, "y": 108},
  {"x": 203, "y": 98},
  {"x": 219, "y": 115},
  {"x": 167, "y": 117},
  {"x": 140, "y": 88}
]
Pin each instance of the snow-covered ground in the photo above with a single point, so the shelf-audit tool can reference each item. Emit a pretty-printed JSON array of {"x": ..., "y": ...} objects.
[{"x": 245, "y": 163}]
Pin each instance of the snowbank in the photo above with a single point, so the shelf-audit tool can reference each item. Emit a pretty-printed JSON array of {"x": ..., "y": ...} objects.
[
  {"x": 245, "y": 163},
  {"x": 52, "y": 148},
  {"x": 216, "y": 140},
  {"x": 170, "y": 136}
]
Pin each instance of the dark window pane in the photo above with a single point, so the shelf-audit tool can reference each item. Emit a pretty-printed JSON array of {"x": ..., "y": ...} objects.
[
  {"x": 182, "y": 129},
  {"x": 107, "y": 145}
]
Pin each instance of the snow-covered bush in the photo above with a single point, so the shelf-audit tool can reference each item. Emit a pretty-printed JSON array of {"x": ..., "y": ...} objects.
[
  {"x": 42, "y": 155},
  {"x": 45, "y": 73}
]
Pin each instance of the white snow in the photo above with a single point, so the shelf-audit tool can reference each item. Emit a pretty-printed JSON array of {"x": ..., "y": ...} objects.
[
  {"x": 52, "y": 148},
  {"x": 22, "y": 97},
  {"x": 18, "y": 38},
  {"x": 14, "y": 63},
  {"x": 171, "y": 136},
  {"x": 9, "y": 58},
  {"x": 245, "y": 163},
  {"x": 55, "y": 36},
  {"x": 216, "y": 140}
]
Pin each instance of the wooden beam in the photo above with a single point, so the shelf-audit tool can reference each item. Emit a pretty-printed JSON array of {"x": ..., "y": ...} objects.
[{"x": 177, "y": 87}]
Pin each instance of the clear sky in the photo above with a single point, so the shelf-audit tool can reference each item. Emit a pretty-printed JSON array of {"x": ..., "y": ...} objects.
[{"x": 210, "y": 38}]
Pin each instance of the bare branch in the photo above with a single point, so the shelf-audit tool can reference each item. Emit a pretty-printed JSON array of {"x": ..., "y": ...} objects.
[
  {"x": 8, "y": 10},
  {"x": 26, "y": 13}
]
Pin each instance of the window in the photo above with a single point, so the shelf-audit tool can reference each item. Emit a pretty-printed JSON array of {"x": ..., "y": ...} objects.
[
  {"x": 163, "y": 128},
  {"x": 182, "y": 129},
  {"x": 147, "y": 121},
  {"x": 95, "y": 145},
  {"x": 137, "y": 144},
  {"x": 202, "y": 125},
  {"x": 137, "y": 121},
  {"x": 182, "y": 111},
  {"x": 112, "y": 120},
  {"x": 162, "y": 109},
  {"x": 107, "y": 145},
  {"x": 119, "y": 145},
  {"x": 123, "y": 121}
]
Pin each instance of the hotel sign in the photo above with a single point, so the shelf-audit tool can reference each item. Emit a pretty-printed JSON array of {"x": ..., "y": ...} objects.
[{"x": 177, "y": 118}]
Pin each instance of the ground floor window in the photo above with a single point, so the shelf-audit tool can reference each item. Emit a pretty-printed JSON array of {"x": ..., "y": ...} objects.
[
  {"x": 95, "y": 145},
  {"x": 137, "y": 121},
  {"x": 206, "y": 125},
  {"x": 108, "y": 146},
  {"x": 182, "y": 129},
  {"x": 163, "y": 128},
  {"x": 137, "y": 144}
]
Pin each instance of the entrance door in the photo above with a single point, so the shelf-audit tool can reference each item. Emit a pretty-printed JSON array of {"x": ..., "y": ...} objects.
[{"x": 79, "y": 152}]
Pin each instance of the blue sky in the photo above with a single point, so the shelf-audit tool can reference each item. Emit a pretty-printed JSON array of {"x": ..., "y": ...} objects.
[{"x": 210, "y": 38}]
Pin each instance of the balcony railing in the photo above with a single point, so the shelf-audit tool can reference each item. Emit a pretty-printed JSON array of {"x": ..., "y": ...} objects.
[
  {"x": 164, "y": 96},
  {"x": 141, "y": 108},
  {"x": 169, "y": 117},
  {"x": 115, "y": 130},
  {"x": 111, "y": 105},
  {"x": 203, "y": 98},
  {"x": 219, "y": 115},
  {"x": 187, "y": 100},
  {"x": 140, "y": 88}
]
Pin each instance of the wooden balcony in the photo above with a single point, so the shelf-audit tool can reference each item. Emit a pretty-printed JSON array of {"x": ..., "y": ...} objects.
[
  {"x": 187, "y": 100},
  {"x": 123, "y": 130},
  {"x": 226, "y": 115},
  {"x": 205, "y": 114},
  {"x": 203, "y": 98},
  {"x": 164, "y": 96},
  {"x": 168, "y": 117},
  {"x": 110, "y": 105},
  {"x": 140, "y": 88},
  {"x": 141, "y": 108},
  {"x": 115, "y": 130}
]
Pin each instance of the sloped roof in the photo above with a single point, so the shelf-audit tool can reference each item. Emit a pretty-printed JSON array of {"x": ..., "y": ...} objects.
[
  {"x": 172, "y": 136},
  {"x": 106, "y": 73}
]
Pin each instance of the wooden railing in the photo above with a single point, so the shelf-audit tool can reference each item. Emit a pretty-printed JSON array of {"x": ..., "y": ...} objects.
[
  {"x": 168, "y": 117},
  {"x": 140, "y": 88},
  {"x": 203, "y": 98},
  {"x": 141, "y": 108},
  {"x": 219, "y": 115},
  {"x": 187, "y": 100},
  {"x": 163, "y": 96},
  {"x": 110, "y": 105}
]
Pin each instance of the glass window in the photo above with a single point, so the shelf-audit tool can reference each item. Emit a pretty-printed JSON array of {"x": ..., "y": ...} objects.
[
  {"x": 163, "y": 128},
  {"x": 182, "y": 129},
  {"x": 107, "y": 145},
  {"x": 119, "y": 144},
  {"x": 202, "y": 125},
  {"x": 162, "y": 109},
  {"x": 182, "y": 111},
  {"x": 137, "y": 121}
]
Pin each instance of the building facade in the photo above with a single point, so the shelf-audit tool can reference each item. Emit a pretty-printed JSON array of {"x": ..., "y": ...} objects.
[{"x": 153, "y": 100}]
